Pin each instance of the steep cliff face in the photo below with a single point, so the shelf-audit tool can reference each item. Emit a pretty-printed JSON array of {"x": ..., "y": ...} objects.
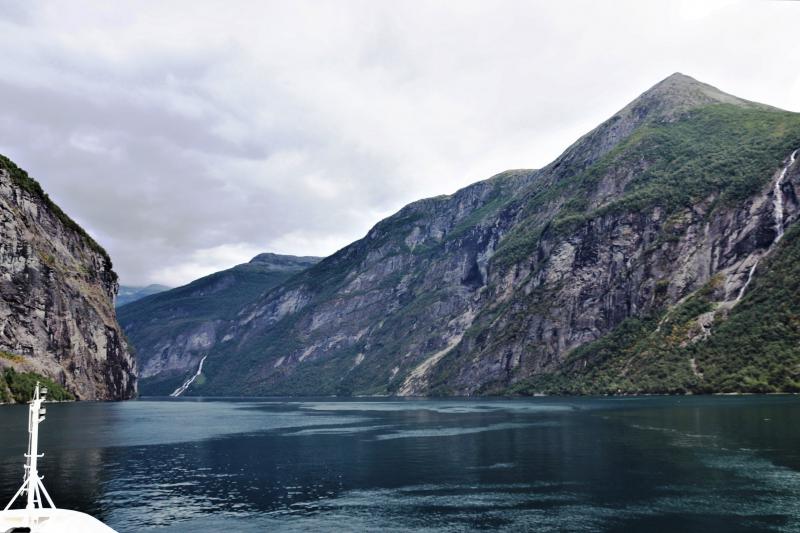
[
  {"x": 513, "y": 282},
  {"x": 56, "y": 296},
  {"x": 173, "y": 330},
  {"x": 713, "y": 305},
  {"x": 614, "y": 266}
]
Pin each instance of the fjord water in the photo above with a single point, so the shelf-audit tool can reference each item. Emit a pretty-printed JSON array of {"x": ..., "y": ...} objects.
[{"x": 706, "y": 464}]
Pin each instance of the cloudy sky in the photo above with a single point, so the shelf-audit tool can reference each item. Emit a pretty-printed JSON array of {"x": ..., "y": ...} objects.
[{"x": 189, "y": 136}]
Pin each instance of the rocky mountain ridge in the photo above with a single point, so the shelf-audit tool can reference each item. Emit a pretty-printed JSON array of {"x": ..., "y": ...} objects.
[
  {"x": 130, "y": 293},
  {"x": 561, "y": 279}
]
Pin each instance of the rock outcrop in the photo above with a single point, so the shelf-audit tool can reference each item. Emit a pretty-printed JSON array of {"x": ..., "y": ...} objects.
[{"x": 57, "y": 290}]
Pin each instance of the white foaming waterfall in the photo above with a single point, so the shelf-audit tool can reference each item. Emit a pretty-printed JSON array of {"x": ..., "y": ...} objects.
[
  {"x": 777, "y": 213},
  {"x": 180, "y": 390},
  {"x": 778, "y": 197},
  {"x": 749, "y": 279}
]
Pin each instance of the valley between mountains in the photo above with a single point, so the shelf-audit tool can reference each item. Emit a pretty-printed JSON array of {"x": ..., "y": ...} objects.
[{"x": 658, "y": 254}]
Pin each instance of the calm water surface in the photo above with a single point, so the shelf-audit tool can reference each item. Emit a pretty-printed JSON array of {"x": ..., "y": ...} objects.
[{"x": 707, "y": 464}]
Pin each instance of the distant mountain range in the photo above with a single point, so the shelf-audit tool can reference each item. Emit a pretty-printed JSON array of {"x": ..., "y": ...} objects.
[
  {"x": 128, "y": 294},
  {"x": 172, "y": 330},
  {"x": 658, "y": 254}
]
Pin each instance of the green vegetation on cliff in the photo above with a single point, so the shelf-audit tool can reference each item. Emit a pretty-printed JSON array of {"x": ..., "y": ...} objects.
[
  {"x": 19, "y": 386},
  {"x": 718, "y": 148},
  {"x": 721, "y": 149},
  {"x": 757, "y": 348}
]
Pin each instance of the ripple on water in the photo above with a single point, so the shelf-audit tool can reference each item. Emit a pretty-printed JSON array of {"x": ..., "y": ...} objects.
[
  {"x": 170, "y": 422},
  {"x": 756, "y": 488},
  {"x": 453, "y": 431},
  {"x": 454, "y": 407}
]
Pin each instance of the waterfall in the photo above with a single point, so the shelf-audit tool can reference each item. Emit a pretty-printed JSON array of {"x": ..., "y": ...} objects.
[
  {"x": 777, "y": 200},
  {"x": 777, "y": 213},
  {"x": 180, "y": 390},
  {"x": 746, "y": 283}
]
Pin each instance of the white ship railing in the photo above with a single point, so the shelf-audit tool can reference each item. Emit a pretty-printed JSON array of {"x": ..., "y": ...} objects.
[{"x": 32, "y": 484}]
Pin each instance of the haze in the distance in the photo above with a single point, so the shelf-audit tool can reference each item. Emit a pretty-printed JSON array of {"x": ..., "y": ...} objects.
[{"x": 189, "y": 136}]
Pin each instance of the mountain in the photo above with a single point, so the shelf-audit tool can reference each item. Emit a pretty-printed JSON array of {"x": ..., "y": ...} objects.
[
  {"x": 174, "y": 329},
  {"x": 648, "y": 257},
  {"x": 128, "y": 294},
  {"x": 57, "y": 287}
]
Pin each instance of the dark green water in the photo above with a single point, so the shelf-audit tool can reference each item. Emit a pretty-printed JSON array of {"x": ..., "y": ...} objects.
[{"x": 707, "y": 464}]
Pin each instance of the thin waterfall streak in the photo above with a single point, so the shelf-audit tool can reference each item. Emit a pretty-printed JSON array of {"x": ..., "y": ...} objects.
[
  {"x": 746, "y": 283},
  {"x": 180, "y": 390},
  {"x": 777, "y": 213},
  {"x": 778, "y": 198}
]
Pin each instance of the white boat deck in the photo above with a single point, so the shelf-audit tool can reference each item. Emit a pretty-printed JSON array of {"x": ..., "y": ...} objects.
[
  {"x": 37, "y": 517},
  {"x": 46, "y": 520}
]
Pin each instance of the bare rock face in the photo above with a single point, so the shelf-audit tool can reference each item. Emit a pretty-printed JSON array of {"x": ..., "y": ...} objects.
[{"x": 57, "y": 291}]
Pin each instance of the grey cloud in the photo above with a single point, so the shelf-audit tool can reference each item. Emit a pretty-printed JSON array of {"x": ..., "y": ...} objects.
[{"x": 186, "y": 136}]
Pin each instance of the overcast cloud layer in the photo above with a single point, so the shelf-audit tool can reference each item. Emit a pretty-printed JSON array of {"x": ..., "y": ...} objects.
[{"x": 189, "y": 136}]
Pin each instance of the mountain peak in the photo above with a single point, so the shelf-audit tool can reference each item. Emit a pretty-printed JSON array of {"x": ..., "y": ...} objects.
[
  {"x": 680, "y": 79},
  {"x": 666, "y": 101},
  {"x": 678, "y": 93}
]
